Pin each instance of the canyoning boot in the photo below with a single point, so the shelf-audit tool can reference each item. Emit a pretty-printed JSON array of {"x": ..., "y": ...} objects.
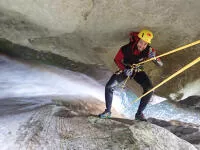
[
  {"x": 140, "y": 117},
  {"x": 105, "y": 115}
]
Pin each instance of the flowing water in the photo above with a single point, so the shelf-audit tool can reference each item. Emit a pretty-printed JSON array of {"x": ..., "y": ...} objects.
[
  {"x": 25, "y": 86},
  {"x": 163, "y": 110}
]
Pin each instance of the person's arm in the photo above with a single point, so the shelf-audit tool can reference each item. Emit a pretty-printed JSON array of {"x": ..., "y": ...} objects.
[
  {"x": 152, "y": 54},
  {"x": 119, "y": 62},
  {"x": 119, "y": 59}
]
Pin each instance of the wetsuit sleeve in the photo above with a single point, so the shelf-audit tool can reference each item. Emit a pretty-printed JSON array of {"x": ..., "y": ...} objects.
[
  {"x": 119, "y": 59},
  {"x": 152, "y": 54}
]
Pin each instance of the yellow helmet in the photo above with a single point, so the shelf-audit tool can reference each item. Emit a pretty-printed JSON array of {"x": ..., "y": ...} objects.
[{"x": 146, "y": 35}]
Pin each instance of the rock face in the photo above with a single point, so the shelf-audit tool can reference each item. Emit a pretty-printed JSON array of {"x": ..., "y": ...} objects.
[
  {"x": 187, "y": 131},
  {"x": 68, "y": 126},
  {"x": 92, "y": 31},
  {"x": 192, "y": 101},
  {"x": 153, "y": 137}
]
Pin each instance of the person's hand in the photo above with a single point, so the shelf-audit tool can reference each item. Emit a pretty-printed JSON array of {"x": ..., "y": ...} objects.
[
  {"x": 152, "y": 54},
  {"x": 128, "y": 72}
]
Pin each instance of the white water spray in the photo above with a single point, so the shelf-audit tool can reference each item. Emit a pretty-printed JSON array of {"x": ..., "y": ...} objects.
[
  {"x": 26, "y": 81},
  {"x": 191, "y": 89},
  {"x": 23, "y": 80}
]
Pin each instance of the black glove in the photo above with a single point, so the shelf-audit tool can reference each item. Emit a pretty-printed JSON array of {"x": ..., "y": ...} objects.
[{"x": 128, "y": 72}]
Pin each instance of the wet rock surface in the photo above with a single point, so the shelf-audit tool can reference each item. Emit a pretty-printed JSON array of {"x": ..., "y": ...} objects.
[
  {"x": 187, "y": 131},
  {"x": 192, "y": 101},
  {"x": 84, "y": 37},
  {"x": 53, "y": 127}
]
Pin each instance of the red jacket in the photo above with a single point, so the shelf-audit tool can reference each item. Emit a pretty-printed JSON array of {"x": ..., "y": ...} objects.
[{"x": 129, "y": 54}]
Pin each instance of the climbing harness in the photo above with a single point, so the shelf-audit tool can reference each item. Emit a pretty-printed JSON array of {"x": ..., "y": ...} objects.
[
  {"x": 134, "y": 69},
  {"x": 173, "y": 75}
]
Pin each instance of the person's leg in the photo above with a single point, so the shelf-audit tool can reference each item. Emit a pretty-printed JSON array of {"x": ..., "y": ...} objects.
[
  {"x": 146, "y": 84},
  {"x": 115, "y": 80}
]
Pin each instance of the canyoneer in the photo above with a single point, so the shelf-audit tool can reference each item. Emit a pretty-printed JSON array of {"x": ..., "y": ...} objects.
[{"x": 136, "y": 51}]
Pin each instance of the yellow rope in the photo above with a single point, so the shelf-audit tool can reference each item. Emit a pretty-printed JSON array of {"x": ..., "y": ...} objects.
[
  {"x": 124, "y": 84},
  {"x": 167, "y": 53},
  {"x": 172, "y": 51},
  {"x": 170, "y": 77}
]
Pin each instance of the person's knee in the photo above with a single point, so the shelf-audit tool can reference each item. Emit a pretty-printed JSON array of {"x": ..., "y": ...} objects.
[
  {"x": 147, "y": 87},
  {"x": 147, "y": 98},
  {"x": 150, "y": 94},
  {"x": 109, "y": 88}
]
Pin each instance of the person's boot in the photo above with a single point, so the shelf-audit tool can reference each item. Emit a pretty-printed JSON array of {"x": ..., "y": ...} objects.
[
  {"x": 105, "y": 114},
  {"x": 140, "y": 117}
]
